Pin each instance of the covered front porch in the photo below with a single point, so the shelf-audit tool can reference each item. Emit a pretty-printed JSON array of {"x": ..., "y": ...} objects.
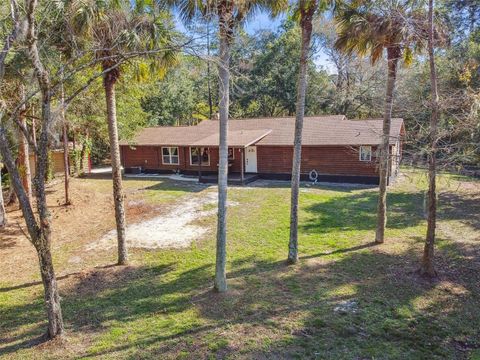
[{"x": 242, "y": 156}]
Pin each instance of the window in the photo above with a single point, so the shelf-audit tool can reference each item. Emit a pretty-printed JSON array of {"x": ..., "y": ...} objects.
[
  {"x": 204, "y": 156},
  {"x": 231, "y": 154},
  {"x": 170, "y": 155},
  {"x": 365, "y": 153}
]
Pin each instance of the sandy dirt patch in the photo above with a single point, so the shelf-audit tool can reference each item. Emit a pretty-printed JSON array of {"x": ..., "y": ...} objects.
[{"x": 173, "y": 229}]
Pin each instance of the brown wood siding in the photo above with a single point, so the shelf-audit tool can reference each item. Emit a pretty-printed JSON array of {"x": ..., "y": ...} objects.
[
  {"x": 327, "y": 160},
  {"x": 148, "y": 157}
]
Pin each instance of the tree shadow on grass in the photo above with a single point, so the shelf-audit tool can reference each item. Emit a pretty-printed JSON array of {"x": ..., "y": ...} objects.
[
  {"x": 399, "y": 315},
  {"x": 340, "y": 251},
  {"x": 304, "y": 185},
  {"x": 9, "y": 236},
  {"x": 162, "y": 184},
  {"x": 291, "y": 307},
  {"x": 131, "y": 292},
  {"x": 265, "y": 294},
  {"x": 454, "y": 205},
  {"x": 358, "y": 212},
  {"x": 387, "y": 324},
  {"x": 170, "y": 185},
  {"x": 13, "y": 318}
]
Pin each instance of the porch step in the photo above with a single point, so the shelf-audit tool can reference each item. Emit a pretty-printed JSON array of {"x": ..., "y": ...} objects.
[{"x": 232, "y": 179}]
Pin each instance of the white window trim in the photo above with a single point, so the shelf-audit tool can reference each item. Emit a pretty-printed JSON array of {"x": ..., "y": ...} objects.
[
  {"x": 170, "y": 155},
  {"x": 360, "y": 153},
  {"x": 233, "y": 154},
  {"x": 196, "y": 163}
]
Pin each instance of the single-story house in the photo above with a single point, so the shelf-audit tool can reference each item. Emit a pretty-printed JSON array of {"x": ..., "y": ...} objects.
[{"x": 333, "y": 149}]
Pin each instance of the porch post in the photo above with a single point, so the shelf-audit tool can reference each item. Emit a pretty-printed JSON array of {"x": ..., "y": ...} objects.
[
  {"x": 199, "y": 153},
  {"x": 242, "y": 150}
]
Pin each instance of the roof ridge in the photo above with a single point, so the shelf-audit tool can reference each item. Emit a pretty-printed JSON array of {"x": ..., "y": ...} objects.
[
  {"x": 376, "y": 119},
  {"x": 168, "y": 126},
  {"x": 284, "y": 117}
]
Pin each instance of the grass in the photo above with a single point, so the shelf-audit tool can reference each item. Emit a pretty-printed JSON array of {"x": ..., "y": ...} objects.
[
  {"x": 153, "y": 191},
  {"x": 162, "y": 305}
]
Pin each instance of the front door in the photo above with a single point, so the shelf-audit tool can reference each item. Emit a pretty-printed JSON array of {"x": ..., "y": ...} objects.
[{"x": 251, "y": 159}]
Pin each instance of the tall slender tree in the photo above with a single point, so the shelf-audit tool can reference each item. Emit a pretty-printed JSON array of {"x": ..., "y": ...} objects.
[
  {"x": 230, "y": 14},
  {"x": 368, "y": 28},
  {"x": 116, "y": 28},
  {"x": 39, "y": 230},
  {"x": 7, "y": 43},
  {"x": 306, "y": 10},
  {"x": 427, "y": 266}
]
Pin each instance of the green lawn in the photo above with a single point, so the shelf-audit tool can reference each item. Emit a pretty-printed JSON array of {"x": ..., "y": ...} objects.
[{"x": 162, "y": 306}]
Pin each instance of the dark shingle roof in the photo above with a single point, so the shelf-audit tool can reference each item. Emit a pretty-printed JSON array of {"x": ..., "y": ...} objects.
[{"x": 317, "y": 131}]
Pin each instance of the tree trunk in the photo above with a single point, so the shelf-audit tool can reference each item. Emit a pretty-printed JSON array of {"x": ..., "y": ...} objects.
[
  {"x": 52, "y": 298},
  {"x": 40, "y": 233},
  {"x": 34, "y": 133},
  {"x": 24, "y": 152},
  {"x": 3, "y": 213},
  {"x": 393, "y": 55},
  {"x": 306, "y": 25},
  {"x": 83, "y": 153},
  {"x": 220, "y": 283},
  {"x": 210, "y": 104},
  {"x": 11, "y": 197},
  {"x": 118, "y": 196},
  {"x": 427, "y": 266},
  {"x": 66, "y": 166},
  {"x": 42, "y": 239}
]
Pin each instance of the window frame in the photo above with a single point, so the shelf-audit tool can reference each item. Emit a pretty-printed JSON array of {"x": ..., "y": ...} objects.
[
  {"x": 363, "y": 147},
  {"x": 233, "y": 154},
  {"x": 201, "y": 151},
  {"x": 170, "y": 156}
]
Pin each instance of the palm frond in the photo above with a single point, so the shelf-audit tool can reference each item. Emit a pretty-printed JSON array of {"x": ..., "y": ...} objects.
[
  {"x": 369, "y": 27},
  {"x": 121, "y": 29}
]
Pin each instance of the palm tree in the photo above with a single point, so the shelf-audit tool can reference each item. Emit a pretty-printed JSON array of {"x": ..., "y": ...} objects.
[
  {"x": 305, "y": 12},
  {"x": 368, "y": 28},
  {"x": 118, "y": 28},
  {"x": 230, "y": 14}
]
